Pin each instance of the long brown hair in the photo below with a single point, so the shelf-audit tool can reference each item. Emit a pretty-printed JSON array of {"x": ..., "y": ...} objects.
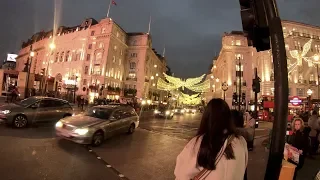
[{"x": 215, "y": 127}]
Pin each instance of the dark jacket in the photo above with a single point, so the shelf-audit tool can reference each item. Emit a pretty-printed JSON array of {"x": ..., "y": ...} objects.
[{"x": 299, "y": 140}]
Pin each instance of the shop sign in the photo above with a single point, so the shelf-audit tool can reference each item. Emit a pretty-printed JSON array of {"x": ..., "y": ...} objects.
[{"x": 295, "y": 101}]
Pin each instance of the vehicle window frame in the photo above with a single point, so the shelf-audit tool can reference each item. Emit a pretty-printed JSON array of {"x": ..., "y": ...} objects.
[{"x": 115, "y": 111}]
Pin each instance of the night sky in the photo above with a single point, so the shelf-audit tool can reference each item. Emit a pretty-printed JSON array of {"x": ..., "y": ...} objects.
[{"x": 191, "y": 30}]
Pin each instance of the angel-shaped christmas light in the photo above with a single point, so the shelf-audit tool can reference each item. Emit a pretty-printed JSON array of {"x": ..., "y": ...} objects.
[{"x": 300, "y": 56}]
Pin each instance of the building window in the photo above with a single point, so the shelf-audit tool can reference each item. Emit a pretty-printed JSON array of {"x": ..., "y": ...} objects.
[
  {"x": 121, "y": 52},
  {"x": 88, "y": 57},
  {"x": 78, "y": 55},
  {"x": 120, "y": 62},
  {"x": 67, "y": 56},
  {"x": 97, "y": 70},
  {"x": 239, "y": 56},
  {"x": 134, "y": 55},
  {"x": 92, "y": 33},
  {"x": 311, "y": 78},
  {"x": 132, "y": 65},
  {"x": 118, "y": 34},
  {"x": 57, "y": 57},
  {"x": 113, "y": 59},
  {"x": 111, "y": 73},
  {"x": 103, "y": 30},
  {"x": 238, "y": 42},
  {"x": 85, "y": 82},
  {"x": 232, "y": 43},
  {"x": 134, "y": 43},
  {"x": 115, "y": 48},
  {"x": 62, "y": 56},
  {"x": 300, "y": 78},
  {"x": 300, "y": 92},
  {"x": 98, "y": 58},
  {"x": 86, "y": 70},
  {"x": 132, "y": 75},
  {"x": 101, "y": 45},
  {"x": 238, "y": 69},
  {"x": 90, "y": 46}
]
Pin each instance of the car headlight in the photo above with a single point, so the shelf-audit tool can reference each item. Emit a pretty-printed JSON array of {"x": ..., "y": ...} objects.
[
  {"x": 81, "y": 131},
  {"x": 182, "y": 111},
  {"x": 257, "y": 122},
  {"x": 6, "y": 111},
  {"x": 193, "y": 110},
  {"x": 59, "y": 124},
  {"x": 156, "y": 111},
  {"x": 167, "y": 112},
  {"x": 176, "y": 110}
]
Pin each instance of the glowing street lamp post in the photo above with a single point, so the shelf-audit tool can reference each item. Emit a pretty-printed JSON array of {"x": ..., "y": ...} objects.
[
  {"x": 52, "y": 46},
  {"x": 28, "y": 64}
]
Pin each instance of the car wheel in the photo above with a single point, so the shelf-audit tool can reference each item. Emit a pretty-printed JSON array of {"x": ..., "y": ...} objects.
[
  {"x": 131, "y": 129},
  {"x": 20, "y": 121},
  {"x": 97, "y": 138}
]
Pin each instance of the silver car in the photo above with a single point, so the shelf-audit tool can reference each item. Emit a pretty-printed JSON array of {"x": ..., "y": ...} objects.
[
  {"x": 35, "y": 109},
  {"x": 97, "y": 124}
]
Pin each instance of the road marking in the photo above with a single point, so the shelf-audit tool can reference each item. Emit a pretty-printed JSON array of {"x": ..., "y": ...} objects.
[{"x": 122, "y": 177}]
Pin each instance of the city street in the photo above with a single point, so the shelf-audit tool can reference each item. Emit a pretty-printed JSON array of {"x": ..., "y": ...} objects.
[{"x": 150, "y": 153}]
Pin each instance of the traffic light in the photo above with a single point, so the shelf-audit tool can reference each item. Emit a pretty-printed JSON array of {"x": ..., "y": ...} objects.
[
  {"x": 255, "y": 24},
  {"x": 43, "y": 71},
  {"x": 234, "y": 97},
  {"x": 256, "y": 85},
  {"x": 243, "y": 96}
]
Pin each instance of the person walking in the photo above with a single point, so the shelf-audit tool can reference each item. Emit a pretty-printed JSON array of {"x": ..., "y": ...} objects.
[
  {"x": 299, "y": 140},
  {"x": 250, "y": 127},
  {"x": 314, "y": 125},
  {"x": 238, "y": 120},
  {"x": 14, "y": 94},
  {"x": 217, "y": 151}
]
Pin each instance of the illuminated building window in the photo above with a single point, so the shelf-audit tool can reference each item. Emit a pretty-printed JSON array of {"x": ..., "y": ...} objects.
[
  {"x": 238, "y": 42},
  {"x": 311, "y": 78},
  {"x": 111, "y": 73},
  {"x": 113, "y": 59},
  {"x": 118, "y": 34},
  {"x": 121, "y": 52},
  {"x": 132, "y": 75},
  {"x": 238, "y": 69},
  {"x": 134, "y": 55},
  {"x": 97, "y": 70},
  {"x": 287, "y": 47},
  {"x": 101, "y": 45},
  {"x": 115, "y": 48},
  {"x": 103, "y": 30},
  {"x": 239, "y": 56},
  {"x": 232, "y": 43},
  {"x": 120, "y": 62},
  {"x": 98, "y": 58}
]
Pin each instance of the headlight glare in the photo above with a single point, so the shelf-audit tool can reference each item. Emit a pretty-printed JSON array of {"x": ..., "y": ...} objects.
[
  {"x": 59, "y": 124},
  {"x": 6, "y": 111},
  {"x": 81, "y": 131},
  {"x": 167, "y": 112}
]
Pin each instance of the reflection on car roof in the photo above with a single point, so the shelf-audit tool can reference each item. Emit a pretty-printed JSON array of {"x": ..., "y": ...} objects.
[
  {"x": 51, "y": 98},
  {"x": 113, "y": 106}
]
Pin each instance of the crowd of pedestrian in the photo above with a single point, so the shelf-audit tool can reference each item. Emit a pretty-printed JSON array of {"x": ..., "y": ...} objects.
[{"x": 220, "y": 148}]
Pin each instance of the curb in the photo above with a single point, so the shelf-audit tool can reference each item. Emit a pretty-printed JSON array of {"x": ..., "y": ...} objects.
[{"x": 107, "y": 165}]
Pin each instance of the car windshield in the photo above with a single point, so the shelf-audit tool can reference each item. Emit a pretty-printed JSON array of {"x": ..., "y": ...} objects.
[
  {"x": 101, "y": 113},
  {"x": 28, "y": 101}
]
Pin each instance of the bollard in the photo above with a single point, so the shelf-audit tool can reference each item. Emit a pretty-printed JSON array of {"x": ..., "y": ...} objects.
[{"x": 287, "y": 170}]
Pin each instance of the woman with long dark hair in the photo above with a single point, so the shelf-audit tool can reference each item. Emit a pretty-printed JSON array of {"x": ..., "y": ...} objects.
[{"x": 217, "y": 152}]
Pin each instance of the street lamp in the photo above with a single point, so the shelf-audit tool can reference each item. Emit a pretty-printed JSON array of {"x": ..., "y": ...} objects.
[
  {"x": 224, "y": 87},
  {"x": 217, "y": 80},
  {"x": 316, "y": 58},
  {"x": 52, "y": 46},
  {"x": 212, "y": 76},
  {"x": 28, "y": 64},
  {"x": 309, "y": 92}
]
